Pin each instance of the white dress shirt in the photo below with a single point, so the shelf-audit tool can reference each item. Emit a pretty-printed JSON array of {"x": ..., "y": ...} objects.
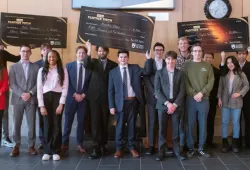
[
  {"x": 158, "y": 63},
  {"x": 25, "y": 65},
  {"x": 83, "y": 72},
  {"x": 131, "y": 92}
]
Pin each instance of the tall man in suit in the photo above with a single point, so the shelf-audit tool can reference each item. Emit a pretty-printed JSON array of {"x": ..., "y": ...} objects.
[
  {"x": 124, "y": 94},
  {"x": 45, "y": 49},
  {"x": 98, "y": 98},
  {"x": 208, "y": 57},
  {"x": 170, "y": 92},
  {"x": 245, "y": 67},
  {"x": 158, "y": 63},
  {"x": 6, "y": 56},
  {"x": 22, "y": 78},
  {"x": 76, "y": 99}
]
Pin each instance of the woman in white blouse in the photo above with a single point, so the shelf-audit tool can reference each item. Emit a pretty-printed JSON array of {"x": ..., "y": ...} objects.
[{"x": 52, "y": 88}]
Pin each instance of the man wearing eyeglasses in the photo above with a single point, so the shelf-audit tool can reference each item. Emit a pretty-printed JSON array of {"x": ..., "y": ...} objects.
[
  {"x": 199, "y": 80},
  {"x": 22, "y": 79}
]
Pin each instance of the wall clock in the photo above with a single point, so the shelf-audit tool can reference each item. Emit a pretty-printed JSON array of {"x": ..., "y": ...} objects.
[{"x": 217, "y": 9}]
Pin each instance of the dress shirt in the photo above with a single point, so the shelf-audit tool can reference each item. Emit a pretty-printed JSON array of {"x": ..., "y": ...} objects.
[
  {"x": 158, "y": 63},
  {"x": 25, "y": 65},
  {"x": 171, "y": 77},
  {"x": 131, "y": 92},
  {"x": 104, "y": 63},
  {"x": 83, "y": 72},
  {"x": 242, "y": 65},
  {"x": 51, "y": 84}
]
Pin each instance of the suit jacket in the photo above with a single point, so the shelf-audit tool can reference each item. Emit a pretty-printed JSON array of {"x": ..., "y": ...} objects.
[
  {"x": 4, "y": 86},
  {"x": 72, "y": 72},
  {"x": 98, "y": 84},
  {"x": 149, "y": 84},
  {"x": 19, "y": 85},
  {"x": 115, "y": 92},
  {"x": 162, "y": 88},
  {"x": 40, "y": 63},
  {"x": 213, "y": 93},
  {"x": 240, "y": 85},
  {"x": 246, "y": 70}
]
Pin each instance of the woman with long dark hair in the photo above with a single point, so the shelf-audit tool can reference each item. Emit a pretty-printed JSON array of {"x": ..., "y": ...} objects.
[
  {"x": 52, "y": 89},
  {"x": 3, "y": 88},
  {"x": 232, "y": 88}
]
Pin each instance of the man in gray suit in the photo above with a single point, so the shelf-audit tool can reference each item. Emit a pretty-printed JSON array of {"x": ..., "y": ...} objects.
[
  {"x": 170, "y": 92},
  {"x": 22, "y": 79}
]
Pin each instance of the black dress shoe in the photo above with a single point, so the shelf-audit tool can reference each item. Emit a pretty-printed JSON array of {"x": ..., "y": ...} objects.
[
  {"x": 95, "y": 154},
  {"x": 150, "y": 151},
  {"x": 169, "y": 152},
  {"x": 104, "y": 151}
]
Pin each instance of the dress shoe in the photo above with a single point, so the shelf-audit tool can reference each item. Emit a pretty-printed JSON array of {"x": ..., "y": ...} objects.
[
  {"x": 65, "y": 147},
  {"x": 32, "y": 151},
  {"x": 118, "y": 154},
  {"x": 96, "y": 154},
  {"x": 169, "y": 152},
  {"x": 15, "y": 152},
  {"x": 81, "y": 149},
  {"x": 150, "y": 151},
  {"x": 160, "y": 157},
  {"x": 104, "y": 150},
  {"x": 40, "y": 147},
  {"x": 134, "y": 153}
]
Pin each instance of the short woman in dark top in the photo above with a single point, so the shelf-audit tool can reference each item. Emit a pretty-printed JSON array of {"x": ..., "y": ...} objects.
[
  {"x": 232, "y": 88},
  {"x": 3, "y": 88},
  {"x": 52, "y": 89}
]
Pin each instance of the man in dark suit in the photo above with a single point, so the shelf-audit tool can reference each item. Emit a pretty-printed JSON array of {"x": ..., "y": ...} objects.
[
  {"x": 76, "y": 99},
  {"x": 23, "y": 80},
  {"x": 45, "y": 49},
  {"x": 6, "y": 56},
  {"x": 98, "y": 98},
  {"x": 124, "y": 94},
  {"x": 158, "y": 63},
  {"x": 213, "y": 101},
  {"x": 245, "y": 67},
  {"x": 170, "y": 92}
]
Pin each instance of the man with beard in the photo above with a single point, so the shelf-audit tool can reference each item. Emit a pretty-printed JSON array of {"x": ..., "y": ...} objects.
[{"x": 98, "y": 98}]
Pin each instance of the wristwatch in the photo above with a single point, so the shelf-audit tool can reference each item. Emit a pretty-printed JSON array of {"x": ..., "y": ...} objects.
[{"x": 31, "y": 93}]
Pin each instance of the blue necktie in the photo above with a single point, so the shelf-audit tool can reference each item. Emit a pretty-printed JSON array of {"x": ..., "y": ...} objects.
[
  {"x": 79, "y": 86},
  {"x": 125, "y": 83}
]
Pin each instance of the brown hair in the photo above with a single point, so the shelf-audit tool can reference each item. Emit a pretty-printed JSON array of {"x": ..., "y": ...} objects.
[
  {"x": 47, "y": 45},
  {"x": 81, "y": 47},
  {"x": 171, "y": 54},
  {"x": 104, "y": 48}
]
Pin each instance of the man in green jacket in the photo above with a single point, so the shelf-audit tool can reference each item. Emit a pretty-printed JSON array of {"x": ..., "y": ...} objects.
[{"x": 199, "y": 80}]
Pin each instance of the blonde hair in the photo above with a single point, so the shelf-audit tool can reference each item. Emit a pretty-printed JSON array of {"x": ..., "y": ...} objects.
[{"x": 183, "y": 39}]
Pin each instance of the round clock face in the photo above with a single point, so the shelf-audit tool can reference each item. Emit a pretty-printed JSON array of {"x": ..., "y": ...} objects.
[{"x": 218, "y": 9}]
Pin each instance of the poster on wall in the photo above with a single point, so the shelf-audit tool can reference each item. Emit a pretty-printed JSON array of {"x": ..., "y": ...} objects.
[
  {"x": 108, "y": 28},
  {"x": 229, "y": 35},
  {"x": 125, "y": 4},
  {"x": 19, "y": 29}
]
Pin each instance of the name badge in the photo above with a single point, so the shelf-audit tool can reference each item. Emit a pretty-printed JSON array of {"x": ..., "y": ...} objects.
[{"x": 203, "y": 69}]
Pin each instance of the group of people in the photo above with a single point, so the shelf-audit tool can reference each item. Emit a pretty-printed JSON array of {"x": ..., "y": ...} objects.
[{"x": 184, "y": 87}]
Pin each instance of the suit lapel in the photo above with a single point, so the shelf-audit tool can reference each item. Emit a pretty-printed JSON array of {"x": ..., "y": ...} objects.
[
  {"x": 154, "y": 66},
  {"x": 118, "y": 75},
  {"x": 130, "y": 71},
  {"x": 20, "y": 67},
  {"x": 175, "y": 79},
  {"x": 165, "y": 75}
]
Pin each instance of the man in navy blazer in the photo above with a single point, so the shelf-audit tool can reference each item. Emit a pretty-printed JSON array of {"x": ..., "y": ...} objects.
[
  {"x": 125, "y": 94},
  {"x": 76, "y": 99},
  {"x": 45, "y": 49}
]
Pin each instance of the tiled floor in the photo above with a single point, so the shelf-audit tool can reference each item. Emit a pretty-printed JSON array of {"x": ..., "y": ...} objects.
[{"x": 77, "y": 161}]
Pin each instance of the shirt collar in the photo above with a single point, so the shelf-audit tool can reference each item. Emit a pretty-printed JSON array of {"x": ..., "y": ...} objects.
[
  {"x": 104, "y": 60},
  {"x": 80, "y": 62},
  {"x": 158, "y": 60},
  {"x": 242, "y": 65},
  {"x": 24, "y": 62},
  {"x": 53, "y": 67},
  {"x": 121, "y": 67}
]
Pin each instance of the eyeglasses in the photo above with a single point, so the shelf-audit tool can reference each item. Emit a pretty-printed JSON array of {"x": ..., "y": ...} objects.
[
  {"x": 25, "y": 51},
  {"x": 158, "y": 50}
]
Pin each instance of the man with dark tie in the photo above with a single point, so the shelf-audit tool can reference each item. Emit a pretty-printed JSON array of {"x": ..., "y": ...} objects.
[
  {"x": 158, "y": 63},
  {"x": 22, "y": 80},
  {"x": 125, "y": 94},
  {"x": 245, "y": 67},
  {"x": 76, "y": 101},
  {"x": 6, "y": 56},
  {"x": 45, "y": 49},
  {"x": 98, "y": 98},
  {"x": 170, "y": 92}
]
